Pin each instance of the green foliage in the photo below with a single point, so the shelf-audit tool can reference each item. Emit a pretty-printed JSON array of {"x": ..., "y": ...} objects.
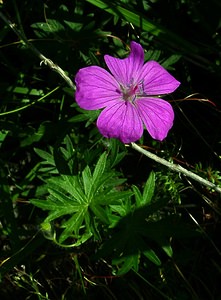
[
  {"x": 83, "y": 216},
  {"x": 139, "y": 228},
  {"x": 82, "y": 197}
]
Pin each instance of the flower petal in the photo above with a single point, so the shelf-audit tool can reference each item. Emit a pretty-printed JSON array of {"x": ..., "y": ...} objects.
[
  {"x": 120, "y": 121},
  {"x": 95, "y": 88},
  {"x": 156, "y": 80},
  {"x": 127, "y": 70},
  {"x": 157, "y": 115}
]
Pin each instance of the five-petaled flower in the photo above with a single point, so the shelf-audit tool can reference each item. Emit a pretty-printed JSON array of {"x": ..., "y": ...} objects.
[{"x": 129, "y": 96}]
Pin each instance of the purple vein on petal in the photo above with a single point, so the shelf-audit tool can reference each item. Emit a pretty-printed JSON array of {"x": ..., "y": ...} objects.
[
  {"x": 120, "y": 121},
  {"x": 157, "y": 115},
  {"x": 156, "y": 80},
  {"x": 96, "y": 88},
  {"x": 127, "y": 69}
]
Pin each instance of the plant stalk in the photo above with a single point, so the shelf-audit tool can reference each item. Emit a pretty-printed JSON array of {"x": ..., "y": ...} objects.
[
  {"x": 43, "y": 58},
  {"x": 176, "y": 168}
]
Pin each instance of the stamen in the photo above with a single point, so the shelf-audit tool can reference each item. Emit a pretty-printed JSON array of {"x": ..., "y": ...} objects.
[{"x": 131, "y": 91}]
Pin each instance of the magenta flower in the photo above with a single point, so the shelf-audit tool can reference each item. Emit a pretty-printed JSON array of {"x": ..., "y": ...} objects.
[{"x": 129, "y": 96}]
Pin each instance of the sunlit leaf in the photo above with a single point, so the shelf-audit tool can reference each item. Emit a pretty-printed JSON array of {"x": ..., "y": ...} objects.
[
  {"x": 148, "y": 189},
  {"x": 151, "y": 255}
]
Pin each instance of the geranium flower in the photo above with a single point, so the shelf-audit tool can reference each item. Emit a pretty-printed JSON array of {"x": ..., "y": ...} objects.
[{"x": 129, "y": 96}]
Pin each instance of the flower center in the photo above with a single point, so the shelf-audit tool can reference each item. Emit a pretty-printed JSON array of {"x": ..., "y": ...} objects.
[{"x": 131, "y": 91}]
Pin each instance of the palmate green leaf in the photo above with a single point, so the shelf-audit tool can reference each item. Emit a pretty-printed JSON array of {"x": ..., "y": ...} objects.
[
  {"x": 78, "y": 199},
  {"x": 66, "y": 197}
]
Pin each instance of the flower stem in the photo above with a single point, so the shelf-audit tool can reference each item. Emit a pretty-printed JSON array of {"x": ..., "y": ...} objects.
[
  {"x": 176, "y": 168},
  {"x": 45, "y": 60}
]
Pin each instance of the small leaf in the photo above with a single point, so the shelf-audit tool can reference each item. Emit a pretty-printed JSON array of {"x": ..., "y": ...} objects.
[
  {"x": 100, "y": 213},
  {"x": 73, "y": 25},
  {"x": 82, "y": 239},
  {"x": 148, "y": 189},
  {"x": 111, "y": 197},
  {"x": 152, "y": 55},
  {"x": 59, "y": 212},
  {"x": 145, "y": 199},
  {"x": 73, "y": 224},
  {"x": 151, "y": 255},
  {"x": 3, "y": 134},
  {"x": 168, "y": 250},
  {"x": 87, "y": 181},
  {"x": 130, "y": 262},
  {"x": 46, "y": 156},
  {"x": 170, "y": 61},
  {"x": 72, "y": 185},
  {"x": 62, "y": 198},
  {"x": 138, "y": 195},
  {"x": 44, "y": 204},
  {"x": 100, "y": 167}
]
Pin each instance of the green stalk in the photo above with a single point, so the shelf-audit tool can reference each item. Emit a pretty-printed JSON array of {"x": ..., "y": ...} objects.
[{"x": 176, "y": 168}]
